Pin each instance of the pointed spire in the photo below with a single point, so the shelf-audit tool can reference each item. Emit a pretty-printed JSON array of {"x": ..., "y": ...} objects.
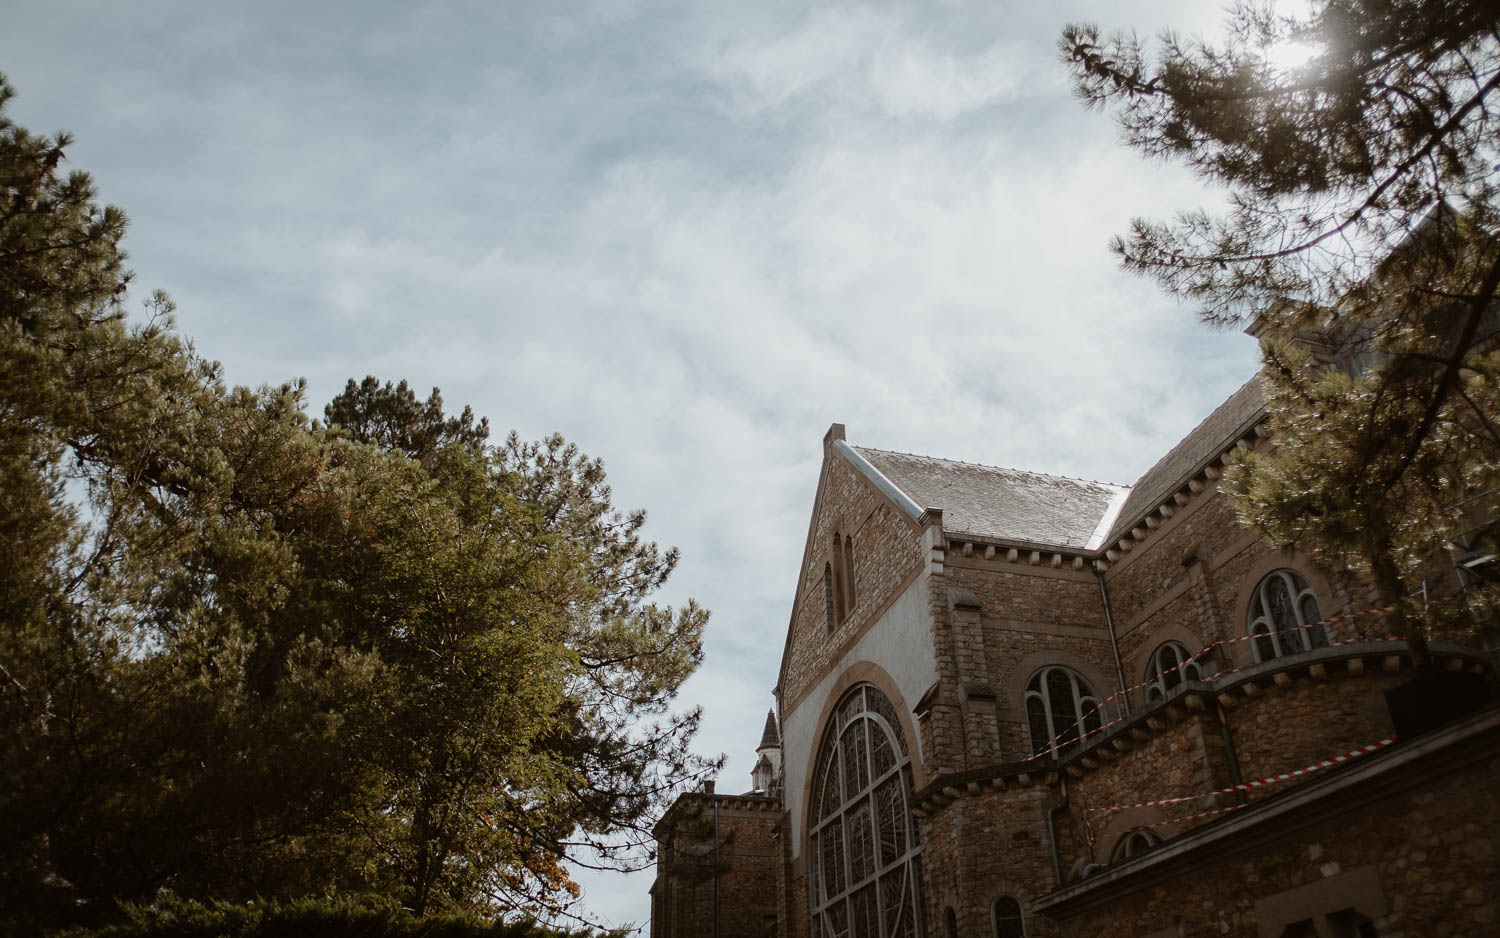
[{"x": 771, "y": 737}]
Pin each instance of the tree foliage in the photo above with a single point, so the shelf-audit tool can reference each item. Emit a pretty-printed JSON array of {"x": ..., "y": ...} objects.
[
  {"x": 1361, "y": 240},
  {"x": 246, "y": 655}
]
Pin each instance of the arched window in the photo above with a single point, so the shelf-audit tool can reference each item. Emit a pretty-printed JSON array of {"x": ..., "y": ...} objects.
[
  {"x": 1133, "y": 844},
  {"x": 849, "y": 572},
  {"x": 1008, "y": 921},
  {"x": 828, "y": 612},
  {"x": 1281, "y": 611},
  {"x": 1061, "y": 709},
  {"x": 950, "y": 923},
  {"x": 862, "y": 841},
  {"x": 1170, "y": 665}
]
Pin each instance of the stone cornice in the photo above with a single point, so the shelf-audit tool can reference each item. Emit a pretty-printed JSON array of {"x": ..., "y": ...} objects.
[{"x": 1181, "y": 704}]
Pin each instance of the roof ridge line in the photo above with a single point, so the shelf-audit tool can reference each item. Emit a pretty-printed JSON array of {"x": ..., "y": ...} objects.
[
  {"x": 982, "y": 465},
  {"x": 1196, "y": 427}
]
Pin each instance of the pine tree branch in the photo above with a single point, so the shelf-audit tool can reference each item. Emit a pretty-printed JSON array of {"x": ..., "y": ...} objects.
[{"x": 1477, "y": 309}]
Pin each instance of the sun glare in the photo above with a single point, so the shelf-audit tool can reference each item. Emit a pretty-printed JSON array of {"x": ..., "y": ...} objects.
[{"x": 1289, "y": 55}]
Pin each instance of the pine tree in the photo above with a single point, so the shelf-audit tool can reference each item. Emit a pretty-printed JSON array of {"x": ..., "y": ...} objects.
[
  {"x": 1360, "y": 241},
  {"x": 246, "y": 656},
  {"x": 391, "y": 418}
]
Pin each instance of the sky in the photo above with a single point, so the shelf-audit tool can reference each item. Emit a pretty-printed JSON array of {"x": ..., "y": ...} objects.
[{"x": 686, "y": 236}]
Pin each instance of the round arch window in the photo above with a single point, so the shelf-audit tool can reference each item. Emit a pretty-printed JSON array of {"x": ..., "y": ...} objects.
[
  {"x": 1134, "y": 843},
  {"x": 862, "y": 839},
  {"x": 1283, "y": 613},
  {"x": 1061, "y": 709},
  {"x": 1009, "y": 922},
  {"x": 1170, "y": 665}
]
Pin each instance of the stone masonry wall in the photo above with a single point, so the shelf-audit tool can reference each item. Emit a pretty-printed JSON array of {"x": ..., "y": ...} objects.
[
  {"x": 683, "y": 905},
  {"x": 1292, "y": 727},
  {"x": 1435, "y": 851},
  {"x": 983, "y": 846},
  {"x": 1029, "y": 619},
  {"x": 1187, "y": 758},
  {"x": 886, "y": 556}
]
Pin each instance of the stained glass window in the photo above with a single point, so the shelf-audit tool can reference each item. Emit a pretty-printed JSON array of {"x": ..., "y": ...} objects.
[
  {"x": 1171, "y": 664},
  {"x": 863, "y": 843},
  {"x": 1283, "y": 613},
  {"x": 1061, "y": 709}
]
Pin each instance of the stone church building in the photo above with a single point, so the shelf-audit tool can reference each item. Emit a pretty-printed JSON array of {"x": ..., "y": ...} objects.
[{"x": 1013, "y": 704}]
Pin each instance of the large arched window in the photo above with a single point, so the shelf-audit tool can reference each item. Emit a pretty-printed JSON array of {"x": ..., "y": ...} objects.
[
  {"x": 1008, "y": 920},
  {"x": 1170, "y": 665},
  {"x": 862, "y": 842},
  {"x": 1281, "y": 611},
  {"x": 1061, "y": 709}
]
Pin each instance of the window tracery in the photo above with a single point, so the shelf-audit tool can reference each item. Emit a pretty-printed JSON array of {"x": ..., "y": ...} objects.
[
  {"x": 862, "y": 841},
  {"x": 1170, "y": 665},
  {"x": 1061, "y": 709},
  {"x": 1133, "y": 844},
  {"x": 1282, "y": 612}
]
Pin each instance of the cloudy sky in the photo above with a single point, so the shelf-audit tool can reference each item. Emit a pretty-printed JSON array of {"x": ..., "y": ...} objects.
[{"x": 687, "y": 236}]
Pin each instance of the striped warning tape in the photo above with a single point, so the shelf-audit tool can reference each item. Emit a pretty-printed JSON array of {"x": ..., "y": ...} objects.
[
  {"x": 1071, "y": 734},
  {"x": 1328, "y": 763},
  {"x": 1194, "y": 817}
]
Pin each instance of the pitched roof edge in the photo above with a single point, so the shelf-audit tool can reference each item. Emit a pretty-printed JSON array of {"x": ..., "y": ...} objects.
[
  {"x": 1227, "y": 442},
  {"x": 1107, "y": 521},
  {"x": 879, "y": 479}
]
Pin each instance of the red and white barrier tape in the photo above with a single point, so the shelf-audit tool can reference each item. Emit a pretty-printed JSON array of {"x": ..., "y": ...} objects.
[
  {"x": 1328, "y": 763},
  {"x": 1071, "y": 735}
]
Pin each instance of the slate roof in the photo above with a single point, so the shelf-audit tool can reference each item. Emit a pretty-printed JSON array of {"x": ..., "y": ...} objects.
[
  {"x": 1200, "y": 446},
  {"x": 1009, "y": 503},
  {"x": 1057, "y": 511}
]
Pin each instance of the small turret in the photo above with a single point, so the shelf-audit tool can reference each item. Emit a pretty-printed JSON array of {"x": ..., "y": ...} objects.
[{"x": 766, "y": 776}]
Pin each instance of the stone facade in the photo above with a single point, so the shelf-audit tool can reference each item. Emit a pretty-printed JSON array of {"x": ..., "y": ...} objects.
[
  {"x": 994, "y": 609},
  {"x": 717, "y": 860}
]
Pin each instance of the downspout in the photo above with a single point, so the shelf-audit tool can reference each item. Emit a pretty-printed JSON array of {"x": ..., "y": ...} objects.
[
  {"x": 1114, "y": 643},
  {"x": 1057, "y": 879},
  {"x": 1229, "y": 752}
]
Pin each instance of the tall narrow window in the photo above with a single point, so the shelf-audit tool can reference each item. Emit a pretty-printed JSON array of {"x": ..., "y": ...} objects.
[
  {"x": 828, "y": 596},
  {"x": 1284, "y": 617},
  {"x": 1061, "y": 709},
  {"x": 862, "y": 839},
  {"x": 840, "y": 577},
  {"x": 1008, "y": 921},
  {"x": 849, "y": 571},
  {"x": 1170, "y": 665}
]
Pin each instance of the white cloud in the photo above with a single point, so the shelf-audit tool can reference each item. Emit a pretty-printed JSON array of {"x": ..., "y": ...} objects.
[
  {"x": 869, "y": 58},
  {"x": 687, "y": 237}
]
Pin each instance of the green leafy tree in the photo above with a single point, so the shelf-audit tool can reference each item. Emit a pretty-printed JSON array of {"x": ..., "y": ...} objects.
[
  {"x": 1359, "y": 238},
  {"x": 247, "y": 656}
]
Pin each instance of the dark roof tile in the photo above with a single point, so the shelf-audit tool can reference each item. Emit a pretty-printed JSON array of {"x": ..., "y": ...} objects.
[{"x": 1008, "y": 503}]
